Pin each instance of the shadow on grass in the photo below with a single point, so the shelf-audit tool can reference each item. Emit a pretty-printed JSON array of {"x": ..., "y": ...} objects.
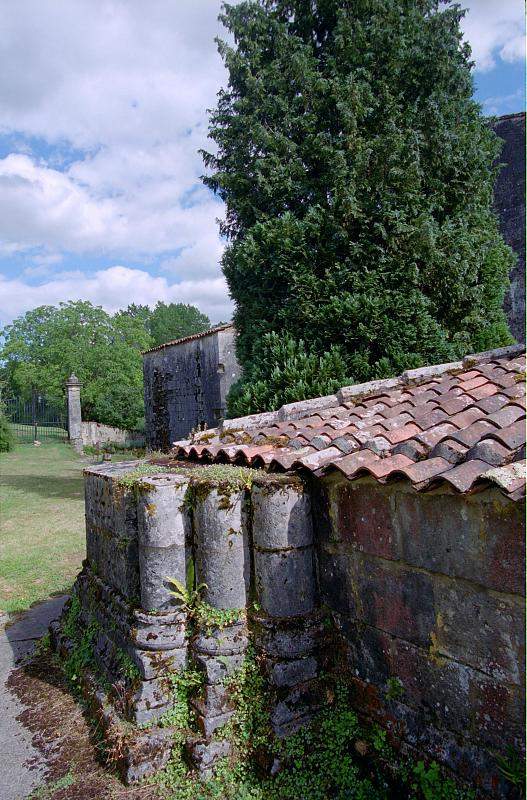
[{"x": 46, "y": 486}]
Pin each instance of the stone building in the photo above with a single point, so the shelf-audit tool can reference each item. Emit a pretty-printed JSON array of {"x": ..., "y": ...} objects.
[
  {"x": 376, "y": 535},
  {"x": 509, "y": 201},
  {"x": 186, "y": 383}
]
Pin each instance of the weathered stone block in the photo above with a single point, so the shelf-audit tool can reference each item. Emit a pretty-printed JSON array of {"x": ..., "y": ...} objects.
[
  {"x": 498, "y": 713},
  {"x": 480, "y": 537},
  {"x": 395, "y": 599},
  {"x": 150, "y": 701},
  {"x": 222, "y": 552},
  {"x": 285, "y": 582},
  {"x": 369, "y": 650},
  {"x": 337, "y": 581},
  {"x": 159, "y": 632},
  {"x": 483, "y": 629},
  {"x": 297, "y": 708},
  {"x": 153, "y": 664},
  {"x": 439, "y": 686},
  {"x": 163, "y": 525},
  {"x": 215, "y": 700},
  {"x": 205, "y": 754},
  {"x": 111, "y": 528},
  {"x": 291, "y": 673},
  {"x": 223, "y": 641},
  {"x": 292, "y": 638},
  {"x": 157, "y": 565},
  {"x": 162, "y": 518},
  {"x": 361, "y": 515},
  {"x": 217, "y": 669},
  {"x": 281, "y": 513},
  {"x": 209, "y": 725}
]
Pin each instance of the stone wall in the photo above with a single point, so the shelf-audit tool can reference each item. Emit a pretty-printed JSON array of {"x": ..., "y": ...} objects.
[
  {"x": 416, "y": 600},
  {"x": 94, "y": 433},
  {"x": 186, "y": 385},
  {"x": 509, "y": 201},
  {"x": 428, "y": 595}
]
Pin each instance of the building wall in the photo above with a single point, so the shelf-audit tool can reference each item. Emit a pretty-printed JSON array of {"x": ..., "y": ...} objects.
[
  {"x": 509, "y": 201},
  {"x": 428, "y": 592},
  {"x": 186, "y": 386}
]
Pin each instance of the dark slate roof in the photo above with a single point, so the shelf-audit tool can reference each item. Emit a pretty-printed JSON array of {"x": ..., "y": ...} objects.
[
  {"x": 191, "y": 338},
  {"x": 462, "y": 424}
]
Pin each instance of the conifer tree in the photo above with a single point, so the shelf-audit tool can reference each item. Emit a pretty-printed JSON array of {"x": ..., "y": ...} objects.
[{"x": 357, "y": 174}]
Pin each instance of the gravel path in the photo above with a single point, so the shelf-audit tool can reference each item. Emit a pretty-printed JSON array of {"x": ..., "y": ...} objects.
[{"x": 21, "y": 766}]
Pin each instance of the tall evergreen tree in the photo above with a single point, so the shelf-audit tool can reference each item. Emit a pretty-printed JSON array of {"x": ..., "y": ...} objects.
[{"x": 357, "y": 173}]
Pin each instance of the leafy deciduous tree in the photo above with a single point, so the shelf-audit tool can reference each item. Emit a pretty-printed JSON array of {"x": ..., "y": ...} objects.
[
  {"x": 45, "y": 345},
  {"x": 174, "y": 321}
]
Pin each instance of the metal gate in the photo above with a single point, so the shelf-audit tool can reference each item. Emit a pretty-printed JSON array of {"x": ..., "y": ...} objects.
[{"x": 37, "y": 419}]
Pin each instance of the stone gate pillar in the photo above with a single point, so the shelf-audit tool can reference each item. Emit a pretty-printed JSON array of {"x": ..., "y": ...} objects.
[{"x": 73, "y": 387}]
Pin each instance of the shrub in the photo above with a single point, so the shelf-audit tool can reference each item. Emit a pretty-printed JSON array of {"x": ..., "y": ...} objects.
[
  {"x": 6, "y": 435},
  {"x": 284, "y": 371}
]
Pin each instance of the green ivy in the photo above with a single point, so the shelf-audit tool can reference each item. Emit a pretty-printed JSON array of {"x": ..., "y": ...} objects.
[
  {"x": 82, "y": 638},
  {"x": 128, "y": 667}
]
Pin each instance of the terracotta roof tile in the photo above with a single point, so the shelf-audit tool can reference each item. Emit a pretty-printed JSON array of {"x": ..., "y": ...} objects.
[
  {"x": 469, "y": 375},
  {"x": 479, "y": 380},
  {"x": 510, "y": 478},
  {"x": 450, "y": 450},
  {"x": 512, "y": 437},
  {"x": 487, "y": 390},
  {"x": 492, "y": 452},
  {"x": 466, "y": 418},
  {"x": 351, "y": 465},
  {"x": 506, "y": 416},
  {"x": 465, "y": 475},
  {"x": 435, "y": 435},
  {"x": 474, "y": 433},
  {"x": 464, "y": 426},
  {"x": 454, "y": 405},
  {"x": 401, "y": 434},
  {"x": 384, "y": 467},
  {"x": 493, "y": 403}
]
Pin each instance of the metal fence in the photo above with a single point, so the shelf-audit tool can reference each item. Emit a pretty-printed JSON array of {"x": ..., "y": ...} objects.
[{"x": 37, "y": 419}]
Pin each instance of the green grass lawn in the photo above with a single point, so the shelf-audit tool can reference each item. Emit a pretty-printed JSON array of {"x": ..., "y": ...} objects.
[{"x": 42, "y": 540}]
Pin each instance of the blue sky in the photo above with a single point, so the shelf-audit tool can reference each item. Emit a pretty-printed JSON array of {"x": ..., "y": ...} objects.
[{"x": 102, "y": 112}]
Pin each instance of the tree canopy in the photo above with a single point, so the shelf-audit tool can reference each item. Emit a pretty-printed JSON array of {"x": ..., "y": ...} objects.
[
  {"x": 174, "y": 321},
  {"x": 44, "y": 346},
  {"x": 357, "y": 173}
]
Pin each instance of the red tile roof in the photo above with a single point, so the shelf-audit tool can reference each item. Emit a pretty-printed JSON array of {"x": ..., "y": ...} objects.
[
  {"x": 462, "y": 424},
  {"x": 190, "y": 338}
]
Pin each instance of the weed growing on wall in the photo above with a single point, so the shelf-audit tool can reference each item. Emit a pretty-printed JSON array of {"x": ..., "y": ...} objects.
[
  {"x": 82, "y": 638},
  {"x": 225, "y": 479},
  {"x": 130, "y": 479},
  {"x": 128, "y": 668},
  {"x": 183, "y": 685},
  {"x": 334, "y": 757},
  {"x": 201, "y": 615}
]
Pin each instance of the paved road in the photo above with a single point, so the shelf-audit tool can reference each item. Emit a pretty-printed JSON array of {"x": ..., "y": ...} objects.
[{"x": 21, "y": 767}]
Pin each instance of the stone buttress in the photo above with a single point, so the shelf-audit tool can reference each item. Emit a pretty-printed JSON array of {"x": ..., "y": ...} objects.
[{"x": 249, "y": 556}]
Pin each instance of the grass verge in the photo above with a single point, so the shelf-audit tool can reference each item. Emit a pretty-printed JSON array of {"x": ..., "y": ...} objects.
[{"x": 42, "y": 541}]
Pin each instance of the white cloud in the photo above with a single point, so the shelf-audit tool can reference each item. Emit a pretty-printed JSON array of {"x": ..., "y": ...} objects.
[
  {"x": 114, "y": 288},
  {"x": 495, "y": 30},
  {"x": 503, "y": 104},
  {"x": 120, "y": 89},
  {"x": 105, "y": 104}
]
